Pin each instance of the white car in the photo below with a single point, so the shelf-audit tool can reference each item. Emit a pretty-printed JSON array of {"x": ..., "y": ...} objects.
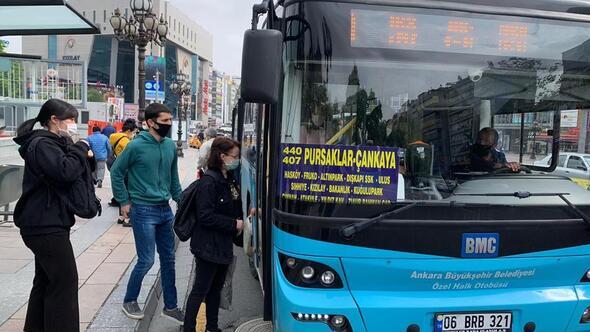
[{"x": 570, "y": 164}]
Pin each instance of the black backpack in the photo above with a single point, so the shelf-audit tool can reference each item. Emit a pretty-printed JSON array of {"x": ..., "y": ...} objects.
[
  {"x": 112, "y": 157},
  {"x": 80, "y": 198},
  {"x": 186, "y": 217}
]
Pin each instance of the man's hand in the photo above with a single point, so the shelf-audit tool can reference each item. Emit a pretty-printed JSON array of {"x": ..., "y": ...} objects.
[
  {"x": 239, "y": 225},
  {"x": 125, "y": 210},
  {"x": 514, "y": 166}
]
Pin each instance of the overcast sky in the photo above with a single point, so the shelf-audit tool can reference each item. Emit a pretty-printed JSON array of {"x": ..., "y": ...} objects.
[{"x": 225, "y": 19}]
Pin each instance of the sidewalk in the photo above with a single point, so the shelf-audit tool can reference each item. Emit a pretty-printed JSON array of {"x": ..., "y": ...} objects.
[{"x": 104, "y": 254}]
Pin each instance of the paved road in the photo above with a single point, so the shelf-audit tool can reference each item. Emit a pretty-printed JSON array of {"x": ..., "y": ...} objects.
[{"x": 247, "y": 301}]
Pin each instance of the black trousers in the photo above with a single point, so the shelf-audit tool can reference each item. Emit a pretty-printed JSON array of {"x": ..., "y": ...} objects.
[
  {"x": 209, "y": 279},
  {"x": 53, "y": 303}
]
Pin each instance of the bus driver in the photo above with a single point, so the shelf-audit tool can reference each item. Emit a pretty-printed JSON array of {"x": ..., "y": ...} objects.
[{"x": 485, "y": 157}]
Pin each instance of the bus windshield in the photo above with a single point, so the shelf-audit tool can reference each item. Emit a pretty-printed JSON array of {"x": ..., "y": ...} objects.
[{"x": 385, "y": 105}]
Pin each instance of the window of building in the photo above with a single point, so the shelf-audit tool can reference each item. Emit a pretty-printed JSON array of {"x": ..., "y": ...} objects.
[
  {"x": 99, "y": 67},
  {"x": 104, "y": 17},
  {"x": 94, "y": 16},
  {"x": 125, "y": 70},
  {"x": 84, "y": 13},
  {"x": 126, "y": 12}
]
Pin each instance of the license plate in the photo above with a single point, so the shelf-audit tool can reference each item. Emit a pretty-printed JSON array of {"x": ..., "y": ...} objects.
[{"x": 474, "y": 322}]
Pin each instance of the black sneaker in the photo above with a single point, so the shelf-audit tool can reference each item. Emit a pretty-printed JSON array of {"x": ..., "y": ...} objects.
[
  {"x": 174, "y": 314},
  {"x": 127, "y": 224},
  {"x": 132, "y": 310}
]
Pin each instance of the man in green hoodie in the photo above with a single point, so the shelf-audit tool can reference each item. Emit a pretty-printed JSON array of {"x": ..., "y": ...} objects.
[{"x": 150, "y": 162}]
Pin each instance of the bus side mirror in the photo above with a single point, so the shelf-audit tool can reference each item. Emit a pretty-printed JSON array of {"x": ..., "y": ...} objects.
[{"x": 261, "y": 66}]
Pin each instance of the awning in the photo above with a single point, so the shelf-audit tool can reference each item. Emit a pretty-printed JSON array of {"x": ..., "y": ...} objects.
[{"x": 42, "y": 17}]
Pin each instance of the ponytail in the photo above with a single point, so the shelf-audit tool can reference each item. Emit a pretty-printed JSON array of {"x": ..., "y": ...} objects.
[
  {"x": 53, "y": 107},
  {"x": 26, "y": 127}
]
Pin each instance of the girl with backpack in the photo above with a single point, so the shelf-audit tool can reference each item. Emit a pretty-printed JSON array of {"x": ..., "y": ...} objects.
[
  {"x": 53, "y": 163},
  {"x": 219, "y": 221}
]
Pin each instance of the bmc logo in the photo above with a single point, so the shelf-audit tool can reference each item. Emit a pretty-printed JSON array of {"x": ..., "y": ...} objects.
[{"x": 480, "y": 245}]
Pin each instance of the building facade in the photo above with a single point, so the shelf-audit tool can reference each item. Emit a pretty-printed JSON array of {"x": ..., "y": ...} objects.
[{"x": 112, "y": 63}]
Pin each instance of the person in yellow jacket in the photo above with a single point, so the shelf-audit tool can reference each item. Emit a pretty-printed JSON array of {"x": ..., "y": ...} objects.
[{"x": 119, "y": 142}]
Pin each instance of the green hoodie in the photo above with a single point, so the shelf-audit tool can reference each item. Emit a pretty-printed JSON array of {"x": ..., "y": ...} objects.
[{"x": 152, "y": 170}]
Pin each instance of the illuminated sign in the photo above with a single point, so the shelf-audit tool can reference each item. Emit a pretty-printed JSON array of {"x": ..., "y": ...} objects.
[
  {"x": 339, "y": 174},
  {"x": 504, "y": 36}
]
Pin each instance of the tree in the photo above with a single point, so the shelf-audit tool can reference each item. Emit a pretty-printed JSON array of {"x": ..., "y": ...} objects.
[{"x": 3, "y": 45}]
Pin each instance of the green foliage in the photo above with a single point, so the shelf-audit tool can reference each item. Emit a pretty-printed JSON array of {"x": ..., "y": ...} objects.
[{"x": 3, "y": 45}]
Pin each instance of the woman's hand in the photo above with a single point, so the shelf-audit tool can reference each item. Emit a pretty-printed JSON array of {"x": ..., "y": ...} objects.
[{"x": 239, "y": 225}]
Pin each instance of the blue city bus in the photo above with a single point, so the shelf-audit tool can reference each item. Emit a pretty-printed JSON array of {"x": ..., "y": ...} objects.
[{"x": 390, "y": 164}]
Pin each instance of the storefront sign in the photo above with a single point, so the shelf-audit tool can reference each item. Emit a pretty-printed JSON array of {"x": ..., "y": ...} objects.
[{"x": 339, "y": 174}]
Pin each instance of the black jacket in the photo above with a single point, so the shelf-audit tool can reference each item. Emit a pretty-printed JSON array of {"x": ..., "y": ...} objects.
[
  {"x": 59, "y": 162},
  {"x": 217, "y": 210}
]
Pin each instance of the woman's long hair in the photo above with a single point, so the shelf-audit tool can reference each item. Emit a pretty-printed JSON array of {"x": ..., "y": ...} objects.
[{"x": 53, "y": 107}]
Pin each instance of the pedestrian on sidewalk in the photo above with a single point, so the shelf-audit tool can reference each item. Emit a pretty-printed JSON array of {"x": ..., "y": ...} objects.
[
  {"x": 204, "y": 150},
  {"x": 53, "y": 163},
  {"x": 119, "y": 142},
  {"x": 109, "y": 130},
  {"x": 150, "y": 163},
  {"x": 101, "y": 148},
  {"x": 219, "y": 221}
]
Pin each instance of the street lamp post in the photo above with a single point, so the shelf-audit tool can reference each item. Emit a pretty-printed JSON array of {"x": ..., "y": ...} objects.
[
  {"x": 140, "y": 30},
  {"x": 181, "y": 86}
]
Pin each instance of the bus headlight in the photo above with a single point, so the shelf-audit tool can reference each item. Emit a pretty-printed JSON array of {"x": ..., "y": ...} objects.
[
  {"x": 309, "y": 274},
  {"x": 586, "y": 277},
  {"x": 328, "y": 278}
]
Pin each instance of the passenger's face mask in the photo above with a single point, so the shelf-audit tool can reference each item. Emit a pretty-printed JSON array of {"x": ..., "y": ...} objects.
[
  {"x": 163, "y": 129},
  {"x": 68, "y": 128},
  {"x": 233, "y": 164}
]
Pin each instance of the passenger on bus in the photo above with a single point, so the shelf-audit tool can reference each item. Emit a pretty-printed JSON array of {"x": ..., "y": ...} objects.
[
  {"x": 485, "y": 156},
  {"x": 219, "y": 225}
]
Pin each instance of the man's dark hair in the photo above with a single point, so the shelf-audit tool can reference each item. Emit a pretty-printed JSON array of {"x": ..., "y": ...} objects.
[
  {"x": 220, "y": 145},
  {"x": 154, "y": 110},
  {"x": 95, "y": 129},
  {"x": 129, "y": 125}
]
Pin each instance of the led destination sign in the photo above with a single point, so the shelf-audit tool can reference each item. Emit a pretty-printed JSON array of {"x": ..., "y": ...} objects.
[{"x": 442, "y": 33}]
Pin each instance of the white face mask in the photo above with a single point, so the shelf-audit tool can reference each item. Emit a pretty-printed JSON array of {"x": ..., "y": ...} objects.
[{"x": 70, "y": 131}]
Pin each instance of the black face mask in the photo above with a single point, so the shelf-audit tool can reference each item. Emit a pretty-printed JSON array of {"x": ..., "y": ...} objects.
[
  {"x": 163, "y": 129},
  {"x": 481, "y": 150}
]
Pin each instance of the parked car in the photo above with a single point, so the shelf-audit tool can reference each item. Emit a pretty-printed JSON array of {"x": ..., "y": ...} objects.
[{"x": 575, "y": 166}]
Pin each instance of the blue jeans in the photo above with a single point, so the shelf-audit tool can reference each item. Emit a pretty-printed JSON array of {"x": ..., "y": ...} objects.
[{"x": 152, "y": 227}]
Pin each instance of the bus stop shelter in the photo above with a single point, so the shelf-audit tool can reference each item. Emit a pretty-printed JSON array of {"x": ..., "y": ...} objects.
[{"x": 42, "y": 17}]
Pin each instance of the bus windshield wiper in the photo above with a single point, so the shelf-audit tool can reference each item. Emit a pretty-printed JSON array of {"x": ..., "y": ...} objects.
[
  {"x": 350, "y": 230},
  {"x": 527, "y": 194}
]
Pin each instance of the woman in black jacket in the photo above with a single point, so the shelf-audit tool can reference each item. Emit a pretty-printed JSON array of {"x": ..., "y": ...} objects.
[
  {"x": 52, "y": 160},
  {"x": 219, "y": 221}
]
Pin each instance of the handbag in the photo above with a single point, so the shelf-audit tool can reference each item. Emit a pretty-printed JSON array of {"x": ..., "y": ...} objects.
[{"x": 226, "y": 291}]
